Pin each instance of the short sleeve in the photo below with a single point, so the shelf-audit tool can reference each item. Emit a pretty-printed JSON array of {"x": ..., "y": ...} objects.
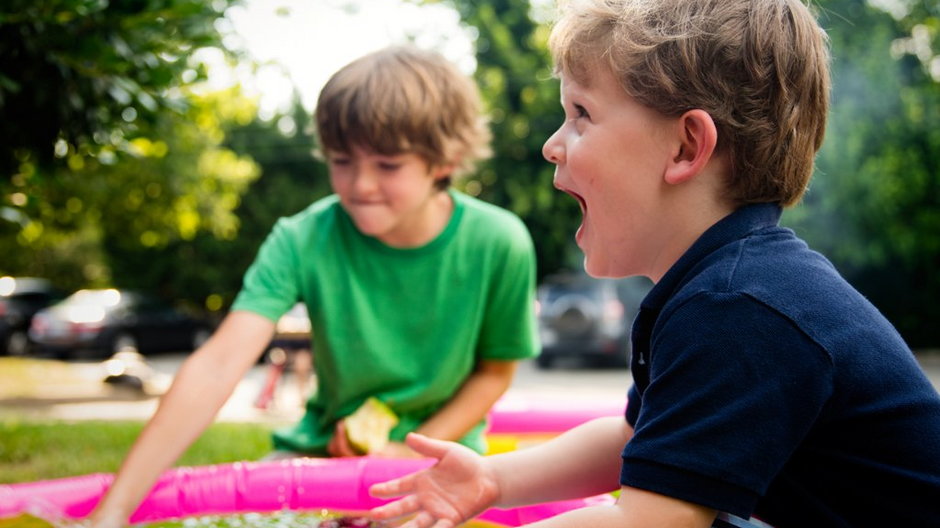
[
  {"x": 734, "y": 388},
  {"x": 509, "y": 324},
  {"x": 271, "y": 286}
]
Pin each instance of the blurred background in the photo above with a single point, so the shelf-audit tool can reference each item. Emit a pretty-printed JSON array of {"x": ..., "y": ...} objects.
[{"x": 149, "y": 145}]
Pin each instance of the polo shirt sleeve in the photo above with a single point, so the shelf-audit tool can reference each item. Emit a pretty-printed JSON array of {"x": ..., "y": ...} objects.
[
  {"x": 734, "y": 388},
  {"x": 270, "y": 286}
]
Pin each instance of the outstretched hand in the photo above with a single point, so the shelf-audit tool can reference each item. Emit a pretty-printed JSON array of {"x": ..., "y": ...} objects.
[{"x": 458, "y": 487}]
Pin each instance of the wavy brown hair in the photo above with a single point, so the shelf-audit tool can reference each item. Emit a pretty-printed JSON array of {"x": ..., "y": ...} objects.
[
  {"x": 403, "y": 99},
  {"x": 760, "y": 68}
]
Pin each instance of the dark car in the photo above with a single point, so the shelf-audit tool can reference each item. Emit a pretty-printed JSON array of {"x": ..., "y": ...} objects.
[
  {"x": 20, "y": 299},
  {"x": 588, "y": 319},
  {"x": 106, "y": 321}
]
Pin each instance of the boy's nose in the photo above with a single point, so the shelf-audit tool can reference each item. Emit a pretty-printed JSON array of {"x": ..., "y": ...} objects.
[
  {"x": 364, "y": 181},
  {"x": 552, "y": 150}
]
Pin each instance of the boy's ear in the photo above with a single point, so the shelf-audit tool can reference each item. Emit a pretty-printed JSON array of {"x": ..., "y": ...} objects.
[
  {"x": 698, "y": 137},
  {"x": 439, "y": 172}
]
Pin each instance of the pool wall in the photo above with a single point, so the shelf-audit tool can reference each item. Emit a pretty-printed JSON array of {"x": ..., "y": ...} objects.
[{"x": 297, "y": 484}]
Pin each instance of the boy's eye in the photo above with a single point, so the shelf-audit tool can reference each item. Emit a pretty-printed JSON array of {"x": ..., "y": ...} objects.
[
  {"x": 340, "y": 161},
  {"x": 580, "y": 111},
  {"x": 389, "y": 166}
]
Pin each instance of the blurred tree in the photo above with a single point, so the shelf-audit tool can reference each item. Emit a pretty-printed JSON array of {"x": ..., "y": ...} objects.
[
  {"x": 111, "y": 166},
  {"x": 290, "y": 179},
  {"x": 514, "y": 72},
  {"x": 80, "y": 76},
  {"x": 874, "y": 204},
  {"x": 132, "y": 220},
  {"x": 161, "y": 207}
]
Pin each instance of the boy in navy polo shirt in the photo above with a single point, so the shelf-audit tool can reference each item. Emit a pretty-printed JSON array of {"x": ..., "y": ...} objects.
[{"x": 766, "y": 387}]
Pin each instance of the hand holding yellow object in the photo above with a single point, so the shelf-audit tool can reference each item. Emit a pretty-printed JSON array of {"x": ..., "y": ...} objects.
[{"x": 368, "y": 428}]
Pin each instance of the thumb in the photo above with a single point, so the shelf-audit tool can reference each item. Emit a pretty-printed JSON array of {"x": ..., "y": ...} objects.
[{"x": 427, "y": 446}]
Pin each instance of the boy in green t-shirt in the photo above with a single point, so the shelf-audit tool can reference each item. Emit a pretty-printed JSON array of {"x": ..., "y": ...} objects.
[{"x": 418, "y": 295}]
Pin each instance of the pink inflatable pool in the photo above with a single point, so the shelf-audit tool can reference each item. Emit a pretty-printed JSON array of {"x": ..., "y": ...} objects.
[
  {"x": 528, "y": 415},
  {"x": 517, "y": 422},
  {"x": 299, "y": 484}
]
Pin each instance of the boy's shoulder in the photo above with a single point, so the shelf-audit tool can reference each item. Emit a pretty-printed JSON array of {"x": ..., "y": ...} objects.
[
  {"x": 312, "y": 215},
  {"x": 489, "y": 219},
  {"x": 485, "y": 211}
]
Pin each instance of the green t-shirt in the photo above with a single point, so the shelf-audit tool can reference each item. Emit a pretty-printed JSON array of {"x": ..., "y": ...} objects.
[{"x": 404, "y": 325}]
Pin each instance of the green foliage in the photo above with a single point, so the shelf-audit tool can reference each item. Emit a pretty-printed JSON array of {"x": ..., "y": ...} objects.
[
  {"x": 115, "y": 172},
  {"x": 33, "y": 451},
  {"x": 874, "y": 204},
  {"x": 114, "y": 168},
  {"x": 290, "y": 179},
  {"x": 132, "y": 221},
  {"x": 156, "y": 218},
  {"x": 84, "y": 74},
  {"x": 514, "y": 72}
]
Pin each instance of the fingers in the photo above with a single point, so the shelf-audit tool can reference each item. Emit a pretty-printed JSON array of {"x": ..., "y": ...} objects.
[
  {"x": 401, "y": 508},
  {"x": 393, "y": 488},
  {"x": 426, "y": 520},
  {"x": 339, "y": 444},
  {"x": 428, "y": 446}
]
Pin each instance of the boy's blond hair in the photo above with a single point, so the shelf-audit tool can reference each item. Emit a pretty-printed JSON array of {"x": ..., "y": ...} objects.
[
  {"x": 403, "y": 99},
  {"x": 760, "y": 68}
]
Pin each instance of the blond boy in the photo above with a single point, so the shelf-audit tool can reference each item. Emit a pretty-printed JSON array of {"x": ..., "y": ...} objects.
[{"x": 766, "y": 389}]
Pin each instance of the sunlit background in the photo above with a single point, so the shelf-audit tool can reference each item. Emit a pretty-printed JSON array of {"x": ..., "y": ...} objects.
[{"x": 152, "y": 145}]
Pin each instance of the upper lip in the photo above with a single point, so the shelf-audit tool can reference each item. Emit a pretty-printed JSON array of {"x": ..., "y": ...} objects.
[
  {"x": 364, "y": 201},
  {"x": 573, "y": 194}
]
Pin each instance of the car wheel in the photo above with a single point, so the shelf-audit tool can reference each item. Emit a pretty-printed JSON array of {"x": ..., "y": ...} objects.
[
  {"x": 200, "y": 336},
  {"x": 18, "y": 343},
  {"x": 123, "y": 341}
]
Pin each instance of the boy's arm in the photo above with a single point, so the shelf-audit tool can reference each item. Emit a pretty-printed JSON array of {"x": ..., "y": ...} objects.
[
  {"x": 200, "y": 388},
  {"x": 584, "y": 461},
  {"x": 581, "y": 462},
  {"x": 472, "y": 401}
]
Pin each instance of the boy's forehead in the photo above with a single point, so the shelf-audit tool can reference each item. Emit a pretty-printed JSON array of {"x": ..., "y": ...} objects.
[
  {"x": 570, "y": 86},
  {"x": 360, "y": 151},
  {"x": 592, "y": 81}
]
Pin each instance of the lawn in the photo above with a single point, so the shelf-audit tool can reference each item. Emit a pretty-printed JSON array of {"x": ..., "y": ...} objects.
[{"x": 37, "y": 450}]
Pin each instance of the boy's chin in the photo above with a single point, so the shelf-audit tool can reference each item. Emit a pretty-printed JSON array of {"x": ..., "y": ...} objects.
[
  {"x": 593, "y": 270},
  {"x": 600, "y": 270}
]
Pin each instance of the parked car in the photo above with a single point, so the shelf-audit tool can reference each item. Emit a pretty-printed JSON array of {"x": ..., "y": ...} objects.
[
  {"x": 20, "y": 299},
  {"x": 106, "y": 321},
  {"x": 588, "y": 319},
  {"x": 293, "y": 329}
]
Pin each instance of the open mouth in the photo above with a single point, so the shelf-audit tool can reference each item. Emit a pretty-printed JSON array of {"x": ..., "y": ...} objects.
[{"x": 576, "y": 196}]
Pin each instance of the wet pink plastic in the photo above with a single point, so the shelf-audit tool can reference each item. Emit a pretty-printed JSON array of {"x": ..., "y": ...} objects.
[
  {"x": 549, "y": 414},
  {"x": 296, "y": 484}
]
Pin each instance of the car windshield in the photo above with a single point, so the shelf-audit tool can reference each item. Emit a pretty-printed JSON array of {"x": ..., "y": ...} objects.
[{"x": 102, "y": 298}]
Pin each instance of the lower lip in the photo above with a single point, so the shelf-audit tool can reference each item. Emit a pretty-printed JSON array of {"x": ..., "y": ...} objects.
[{"x": 579, "y": 234}]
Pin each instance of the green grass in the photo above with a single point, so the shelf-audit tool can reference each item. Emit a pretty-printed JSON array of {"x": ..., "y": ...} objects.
[{"x": 36, "y": 450}]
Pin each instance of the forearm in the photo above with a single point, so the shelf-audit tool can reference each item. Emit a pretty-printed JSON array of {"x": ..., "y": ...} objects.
[
  {"x": 172, "y": 429},
  {"x": 472, "y": 401},
  {"x": 200, "y": 388},
  {"x": 581, "y": 462},
  {"x": 635, "y": 508}
]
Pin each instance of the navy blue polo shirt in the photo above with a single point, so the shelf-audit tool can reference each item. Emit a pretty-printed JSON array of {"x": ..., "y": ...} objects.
[{"x": 766, "y": 385}]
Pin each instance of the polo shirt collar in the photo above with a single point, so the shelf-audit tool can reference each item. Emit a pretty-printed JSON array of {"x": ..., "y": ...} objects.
[{"x": 735, "y": 226}]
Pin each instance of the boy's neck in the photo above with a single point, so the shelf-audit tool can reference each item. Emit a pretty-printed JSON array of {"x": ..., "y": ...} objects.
[
  {"x": 690, "y": 210},
  {"x": 425, "y": 226}
]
